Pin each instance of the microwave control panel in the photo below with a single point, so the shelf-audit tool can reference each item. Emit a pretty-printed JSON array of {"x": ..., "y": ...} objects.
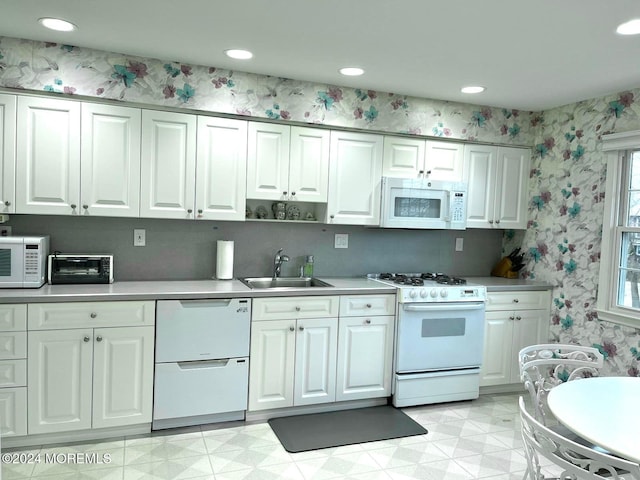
[
  {"x": 458, "y": 210},
  {"x": 32, "y": 256}
]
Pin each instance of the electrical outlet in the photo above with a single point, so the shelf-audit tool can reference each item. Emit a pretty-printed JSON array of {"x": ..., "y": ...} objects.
[
  {"x": 5, "y": 231},
  {"x": 459, "y": 244},
  {"x": 139, "y": 237},
  {"x": 341, "y": 240}
]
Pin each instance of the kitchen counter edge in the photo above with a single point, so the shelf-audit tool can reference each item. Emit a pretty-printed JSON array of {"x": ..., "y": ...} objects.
[
  {"x": 500, "y": 284},
  {"x": 183, "y": 290}
]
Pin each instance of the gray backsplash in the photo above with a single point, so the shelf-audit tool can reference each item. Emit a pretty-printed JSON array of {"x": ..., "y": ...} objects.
[{"x": 186, "y": 249}]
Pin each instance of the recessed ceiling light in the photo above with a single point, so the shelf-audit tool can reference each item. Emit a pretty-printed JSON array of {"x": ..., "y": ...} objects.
[
  {"x": 57, "y": 24},
  {"x": 632, "y": 27},
  {"x": 239, "y": 54},
  {"x": 351, "y": 71},
  {"x": 472, "y": 89}
]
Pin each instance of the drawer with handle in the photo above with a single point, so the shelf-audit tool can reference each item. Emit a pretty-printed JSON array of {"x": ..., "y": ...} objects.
[
  {"x": 52, "y": 316},
  {"x": 531, "y": 300},
  {"x": 359, "y": 305},
  {"x": 281, "y": 308}
]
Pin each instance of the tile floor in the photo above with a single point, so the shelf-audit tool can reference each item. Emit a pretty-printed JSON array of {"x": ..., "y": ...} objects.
[{"x": 466, "y": 440}]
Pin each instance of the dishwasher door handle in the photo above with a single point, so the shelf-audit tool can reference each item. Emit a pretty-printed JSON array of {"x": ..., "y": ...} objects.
[
  {"x": 223, "y": 302},
  {"x": 204, "y": 364}
]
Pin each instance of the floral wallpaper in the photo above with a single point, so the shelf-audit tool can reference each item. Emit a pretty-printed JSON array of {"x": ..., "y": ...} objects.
[{"x": 567, "y": 179}]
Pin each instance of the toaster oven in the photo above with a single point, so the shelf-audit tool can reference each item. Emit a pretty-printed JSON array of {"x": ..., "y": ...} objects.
[{"x": 75, "y": 268}]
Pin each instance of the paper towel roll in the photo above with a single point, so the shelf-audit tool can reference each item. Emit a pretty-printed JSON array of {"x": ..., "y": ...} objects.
[{"x": 224, "y": 260}]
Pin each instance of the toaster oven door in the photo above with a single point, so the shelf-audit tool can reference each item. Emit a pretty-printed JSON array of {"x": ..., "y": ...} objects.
[{"x": 67, "y": 270}]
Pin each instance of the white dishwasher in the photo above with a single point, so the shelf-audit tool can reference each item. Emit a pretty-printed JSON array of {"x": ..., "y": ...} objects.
[{"x": 202, "y": 361}]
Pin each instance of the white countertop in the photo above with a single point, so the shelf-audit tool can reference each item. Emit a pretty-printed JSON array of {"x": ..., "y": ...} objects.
[
  {"x": 604, "y": 410},
  {"x": 501, "y": 284},
  {"x": 181, "y": 289}
]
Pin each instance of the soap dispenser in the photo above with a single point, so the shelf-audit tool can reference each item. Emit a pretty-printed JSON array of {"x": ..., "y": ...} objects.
[{"x": 308, "y": 266}]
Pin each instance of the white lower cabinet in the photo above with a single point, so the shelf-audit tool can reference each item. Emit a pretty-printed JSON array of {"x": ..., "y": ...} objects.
[
  {"x": 297, "y": 360},
  {"x": 512, "y": 321},
  {"x": 13, "y": 370},
  {"x": 293, "y": 358},
  {"x": 92, "y": 377}
]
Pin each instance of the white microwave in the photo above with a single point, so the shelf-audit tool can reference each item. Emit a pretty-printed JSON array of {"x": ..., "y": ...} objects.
[
  {"x": 23, "y": 261},
  {"x": 423, "y": 203}
]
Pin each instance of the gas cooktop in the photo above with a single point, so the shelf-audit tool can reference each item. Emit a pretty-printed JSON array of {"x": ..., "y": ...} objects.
[{"x": 431, "y": 287}]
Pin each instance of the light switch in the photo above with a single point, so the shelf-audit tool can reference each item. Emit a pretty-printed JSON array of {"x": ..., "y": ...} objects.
[
  {"x": 139, "y": 237},
  {"x": 459, "y": 243}
]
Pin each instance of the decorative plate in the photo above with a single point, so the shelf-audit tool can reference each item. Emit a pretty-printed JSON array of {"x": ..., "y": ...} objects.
[
  {"x": 261, "y": 212},
  {"x": 293, "y": 212}
]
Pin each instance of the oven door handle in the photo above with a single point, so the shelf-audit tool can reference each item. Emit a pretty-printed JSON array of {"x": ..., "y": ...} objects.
[{"x": 434, "y": 307}]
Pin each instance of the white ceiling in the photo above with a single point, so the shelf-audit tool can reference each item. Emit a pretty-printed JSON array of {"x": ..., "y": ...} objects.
[{"x": 531, "y": 55}]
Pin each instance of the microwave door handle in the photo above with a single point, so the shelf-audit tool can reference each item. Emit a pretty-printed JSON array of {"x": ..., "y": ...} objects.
[{"x": 447, "y": 215}]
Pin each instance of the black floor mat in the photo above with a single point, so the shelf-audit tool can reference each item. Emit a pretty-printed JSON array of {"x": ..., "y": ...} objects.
[{"x": 300, "y": 433}]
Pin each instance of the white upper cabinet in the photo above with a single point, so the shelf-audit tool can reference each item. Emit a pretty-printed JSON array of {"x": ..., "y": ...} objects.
[
  {"x": 110, "y": 161},
  {"x": 268, "y": 161},
  {"x": 309, "y": 165},
  {"x": 7, "y": 153},
  {"x": 168, "y": 165},
  {"x": 403, "y": 157},
  {"x": 287, "y": 163},
  {"x": 444, "y": 161},
  {"x": 48, "y": 156},
  {"x": 355, "y": 174},
  {"x": 414, "y": 158},
  {"x": 221, "y": 169},
  {"x": 497, "y": 179}
]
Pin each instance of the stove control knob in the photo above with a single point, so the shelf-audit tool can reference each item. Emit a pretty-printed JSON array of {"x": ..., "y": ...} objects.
[
  {"x": 413, "y": 294},
  {"x": 444, "y": 293},
  {"x": 433, "y": 293},
  {"x": 423, "y": 293}
]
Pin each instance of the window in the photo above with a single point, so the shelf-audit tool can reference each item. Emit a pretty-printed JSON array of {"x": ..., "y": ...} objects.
[{"x": 619, "y": 286}]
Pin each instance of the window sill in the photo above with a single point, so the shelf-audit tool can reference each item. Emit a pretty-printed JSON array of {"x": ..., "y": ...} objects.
[{"x": 619, "y": 317}]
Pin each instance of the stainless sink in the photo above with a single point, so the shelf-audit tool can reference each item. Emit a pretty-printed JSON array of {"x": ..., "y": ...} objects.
[{"x": 283, "y": 282}]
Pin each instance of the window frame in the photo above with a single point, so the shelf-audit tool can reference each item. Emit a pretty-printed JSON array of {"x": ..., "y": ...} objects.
[{"x": 616, "y": 147}]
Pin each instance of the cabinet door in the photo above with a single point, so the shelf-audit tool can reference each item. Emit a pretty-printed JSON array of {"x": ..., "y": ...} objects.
[
  {"x": 528, "y": 328},
  {"x": 59, "y": 375},
  {"x": 272, "y": 364},
  {"x": 497, "y": 362},
  {"x": 13, "y": 411},
  {"x": 309, "y": 165},
  {"x": 315, "y": 364},
  {"x": 7, "y": 153},
  {"x": 403, "y": 157},
  {"x": 123, "y": 376},
  {"x": 480, "y": 177},
  {"x": 365, "y": 347},
  {"x": 512, "y": 187},
  {"x": 355, "y": 173},
  {"x": 48, "y": 156},
  {"x": 221, "y": 169},
  {"x": 168, "y": 165},
  {"x": 444, "y": 160},
  {"x": 268, "y": 161},
  {"x": 110, "y": 161}
]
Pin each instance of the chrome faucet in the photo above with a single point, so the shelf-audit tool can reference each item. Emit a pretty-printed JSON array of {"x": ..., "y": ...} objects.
[{"x": 278, "y": 260}]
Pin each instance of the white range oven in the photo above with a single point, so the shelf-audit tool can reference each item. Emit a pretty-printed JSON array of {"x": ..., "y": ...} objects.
[{"x": 439, "y": 338}]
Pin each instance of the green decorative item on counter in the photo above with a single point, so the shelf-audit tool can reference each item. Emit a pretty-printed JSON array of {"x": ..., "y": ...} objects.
[{"x": 308, "y": 266}]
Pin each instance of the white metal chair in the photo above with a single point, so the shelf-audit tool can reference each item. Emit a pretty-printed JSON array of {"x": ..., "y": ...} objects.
[
  {"x": 545, "y": 366},
  {"x": 575, "y": 460}
]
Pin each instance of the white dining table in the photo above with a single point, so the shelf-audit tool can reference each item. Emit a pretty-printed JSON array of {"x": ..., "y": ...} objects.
[{"x": 603, "y": 410}]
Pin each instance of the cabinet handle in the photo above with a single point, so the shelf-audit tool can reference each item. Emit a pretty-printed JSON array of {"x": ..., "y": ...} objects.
[
  {"x": 511, "y": 317},
  {"x": 368, "y": 305},
  {"x": 86, "y": 338},
  {"x": 190, "y": 210},
  {"x": 291, "y": 328},
  {"x": 518, "y": 317},
  {"x": 515, "y": 300},
  {"x": 491, "y": 222},
  {"x": 73, "y": 206},
  {"x": 7, "y": 203},
  {"x": 297, "y": 309},
  {"x": 293, "y": 194},
  {"x": 99, "y": 338},
  {"x": 285, "y": 193},
  {"x": 498, "y": 221},
  {"x": 93, "y": 315},
  {"x": 86, "y": 207},
  {"x": 368, "y": 321},
  {"x": 301, "y": 328}
]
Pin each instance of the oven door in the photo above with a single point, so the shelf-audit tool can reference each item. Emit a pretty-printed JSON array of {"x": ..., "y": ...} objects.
[{"x": 439, "y": 336}]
